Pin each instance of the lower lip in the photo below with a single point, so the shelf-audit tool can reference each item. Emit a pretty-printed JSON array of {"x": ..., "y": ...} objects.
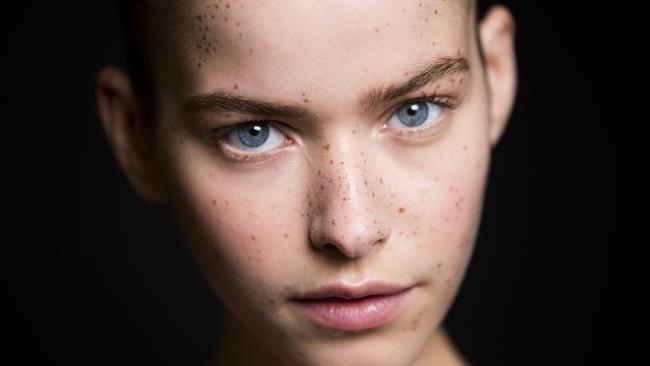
[{"x": 366, "y": 313}]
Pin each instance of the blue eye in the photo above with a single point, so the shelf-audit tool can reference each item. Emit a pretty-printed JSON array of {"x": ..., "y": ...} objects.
[
  {"x": 414, "y": 114},
  {"x": 253, "y": 135},
  {"x": 250, "y": 136}
]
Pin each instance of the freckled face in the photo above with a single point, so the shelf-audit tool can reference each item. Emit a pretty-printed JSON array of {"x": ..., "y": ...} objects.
[{"x": 346, "y": 188}]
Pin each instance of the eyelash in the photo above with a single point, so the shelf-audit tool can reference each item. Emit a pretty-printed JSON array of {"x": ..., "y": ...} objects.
[{"x": 446, "y": 103}]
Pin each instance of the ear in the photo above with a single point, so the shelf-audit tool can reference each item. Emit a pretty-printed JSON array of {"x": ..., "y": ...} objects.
[
  {"x": 131, "y": 142},
  {"x": 496, "y": 34}
]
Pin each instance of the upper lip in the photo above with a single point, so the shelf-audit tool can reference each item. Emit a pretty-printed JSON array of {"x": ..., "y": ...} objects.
[{"x": 340, "y": 290}]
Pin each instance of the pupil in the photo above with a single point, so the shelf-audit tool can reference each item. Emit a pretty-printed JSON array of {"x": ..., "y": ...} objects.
[
  {"x": 413, "y": 114},
  {"x": 253, "y": 135}
]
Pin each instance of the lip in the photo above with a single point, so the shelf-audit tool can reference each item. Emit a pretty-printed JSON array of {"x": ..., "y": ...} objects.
[{"x": 367, "y": 306}]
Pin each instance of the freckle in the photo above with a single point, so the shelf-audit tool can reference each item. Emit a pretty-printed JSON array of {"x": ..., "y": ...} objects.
[
  {"x": 373, "y": 194},
  {"x": 240, "y": 34},
  {"x": 420, "y": 34},
  {"x": 381, "y": 181},
  {"x": 439, "y": 265},
  {"x": 326, "y": 147},
  {"x": 235, "y": 86},
  {"x": 435, "y": 12},
  {"x": 214, "y": 202},
  {"x": 306, "y": 100},
  {"x": 354, "y": 132},
  {"x": 365, "y": 182},
  {"x": 225, "y": 18},
  {"x": 200, "y": 18},
  {"x": 253, "y": 237},
  {"x": 344, "y": 199},
  {"x": 465, "y": 147},
  {"x": 400, "y": 233},
  {"x": 237, "y": 24},
  {"x": 227, "y": 5},
  {"x": 406, "y": 74},
  {"x": 341, "y": 163},
  {"x": 433, "y": 43},
  {"x": 212, "y": 16},
  {"x": 286, "y": 235},
  {"x": 333, "y": 222},
  {"x": 401, "y": 210},
  {"x": 272, "y": 207},
  {"x": 226, "y": 202},
  {"x": 199, "y": 64},
  {"x": 322, "y": 187},
  {"x": 403, "y": 10},
  {"x": 331, "y": 162},
  {"x": 426, "y": 20}
]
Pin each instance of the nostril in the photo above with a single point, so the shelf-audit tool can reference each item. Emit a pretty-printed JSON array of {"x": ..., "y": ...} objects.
[{"x": 330, "y": 247}]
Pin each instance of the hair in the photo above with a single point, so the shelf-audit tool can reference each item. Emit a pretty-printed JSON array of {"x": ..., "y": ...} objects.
[{"x": 151, "y": 28}]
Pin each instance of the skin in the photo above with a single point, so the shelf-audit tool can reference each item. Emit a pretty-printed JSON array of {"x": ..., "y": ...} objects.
[{"x": 345, "y": 197}]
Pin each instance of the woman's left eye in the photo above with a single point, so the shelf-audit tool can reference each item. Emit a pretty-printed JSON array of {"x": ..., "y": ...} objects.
[{"x": 418, "y": 116}]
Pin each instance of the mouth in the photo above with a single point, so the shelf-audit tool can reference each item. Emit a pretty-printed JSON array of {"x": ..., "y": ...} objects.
[{"x": 341, "y": 307}]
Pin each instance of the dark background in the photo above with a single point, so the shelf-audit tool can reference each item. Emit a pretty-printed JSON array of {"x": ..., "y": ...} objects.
[{"x": 98, "y": 276}]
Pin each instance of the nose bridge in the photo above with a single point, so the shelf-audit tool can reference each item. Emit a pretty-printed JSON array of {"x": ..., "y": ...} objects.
[{"x": 348, "y": 217}]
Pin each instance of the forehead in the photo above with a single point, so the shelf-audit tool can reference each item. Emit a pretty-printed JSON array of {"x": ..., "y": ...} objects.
[{"x": 332, "y": 45}]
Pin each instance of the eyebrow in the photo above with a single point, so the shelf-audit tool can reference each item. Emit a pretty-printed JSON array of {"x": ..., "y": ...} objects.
[
  {"x": 434, "y": 70},
  {"x": 221, "y": 101}
]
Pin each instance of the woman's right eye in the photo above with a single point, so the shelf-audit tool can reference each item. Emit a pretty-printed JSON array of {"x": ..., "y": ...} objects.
[{"x": 251, "y": 140}]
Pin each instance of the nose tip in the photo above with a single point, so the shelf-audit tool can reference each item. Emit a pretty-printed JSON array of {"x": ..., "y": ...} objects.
[
  {"x": 349, "y": 220},
  {"x": 351, "y": 240}
]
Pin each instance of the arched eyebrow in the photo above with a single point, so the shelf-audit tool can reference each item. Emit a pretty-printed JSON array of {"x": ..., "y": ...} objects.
[
  {"x": 435, "y": 70},
  {"x": 220, "y": 101}
]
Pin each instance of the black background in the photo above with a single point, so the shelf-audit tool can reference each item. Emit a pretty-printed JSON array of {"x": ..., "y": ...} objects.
[{"x": 100, "y": 277}]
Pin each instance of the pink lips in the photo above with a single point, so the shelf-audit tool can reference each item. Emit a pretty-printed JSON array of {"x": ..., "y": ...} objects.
[{"x": 354, "y": 308}]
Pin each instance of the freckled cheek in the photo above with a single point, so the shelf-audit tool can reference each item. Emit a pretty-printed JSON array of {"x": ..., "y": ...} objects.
[
  {"x": 238, "y": 243},
  {"x": 458, "y": 203}
]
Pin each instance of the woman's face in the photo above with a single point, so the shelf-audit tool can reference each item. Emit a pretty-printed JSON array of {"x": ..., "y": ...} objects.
[{"x": 364, "y": 164}]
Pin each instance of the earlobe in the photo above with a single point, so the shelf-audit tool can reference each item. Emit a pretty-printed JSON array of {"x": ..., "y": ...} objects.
[
  {"x": 123, "y": 123},
  {"x": 497, "y": 41}
]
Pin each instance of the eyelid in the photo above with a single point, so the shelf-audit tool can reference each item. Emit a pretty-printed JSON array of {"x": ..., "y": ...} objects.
[
  {"x": 446, "y": 102},
  {"x": 218, "y": 135}
]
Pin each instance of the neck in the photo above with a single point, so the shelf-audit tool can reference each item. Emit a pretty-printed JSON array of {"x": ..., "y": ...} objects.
[{"x": 236, "y": 346}]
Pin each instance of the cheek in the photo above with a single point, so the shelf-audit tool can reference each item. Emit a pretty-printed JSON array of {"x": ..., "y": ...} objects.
[
  {"x": 232, "y": 229},
  {"x": 447, "y": 208}
]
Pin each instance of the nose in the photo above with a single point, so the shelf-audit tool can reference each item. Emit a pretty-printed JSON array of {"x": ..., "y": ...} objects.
[{"x": 348, "y": 219}]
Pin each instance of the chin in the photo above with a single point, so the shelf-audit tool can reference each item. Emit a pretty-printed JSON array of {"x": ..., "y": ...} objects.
[{"x": 361, "y": 349}]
